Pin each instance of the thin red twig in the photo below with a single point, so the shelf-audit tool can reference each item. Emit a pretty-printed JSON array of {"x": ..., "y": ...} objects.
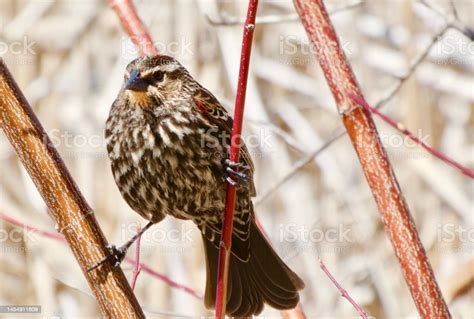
[
  {"x": 374, "y": 161},
  {"x": 44, "y": 233},
  {"x": 400, "y": 127},
  {"x": 343, "y": 291},
  {"x": 137, "y": 268},
  {"x": 226, "y": 242},
  {"x": 144, "y": 267},
  {"x": 170, "y": 282},
  {"x": 134, "y": 27}
]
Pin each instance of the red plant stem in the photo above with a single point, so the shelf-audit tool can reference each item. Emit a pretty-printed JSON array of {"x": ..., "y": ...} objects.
[
  {"x": 170, "y": 282},
  {"x": 44, "y": 233},
  {"x": 226, "y": 242},
  {"x": 134, "y": 27},
  {"x": 144, "y": 267},
  {"x": 137, "y": 268},
  {"x": 343, "y": 292},
  {"x": 374, "y": 161},
  {"x": 400, "y": 127}
]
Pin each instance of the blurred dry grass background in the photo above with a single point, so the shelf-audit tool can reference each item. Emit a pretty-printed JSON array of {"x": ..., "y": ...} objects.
[{"x": 68, "y": 57}]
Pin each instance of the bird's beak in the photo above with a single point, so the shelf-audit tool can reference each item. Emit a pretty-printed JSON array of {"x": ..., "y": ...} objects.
[{"x": 136, "y": 83}]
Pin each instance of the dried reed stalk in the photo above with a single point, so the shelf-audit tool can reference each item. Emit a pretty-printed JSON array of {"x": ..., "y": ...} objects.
[{"x": 374, "y": 161}]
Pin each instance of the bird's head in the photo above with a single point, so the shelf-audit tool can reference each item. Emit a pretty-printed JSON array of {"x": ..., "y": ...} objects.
[{"x": 150, "y": 80}]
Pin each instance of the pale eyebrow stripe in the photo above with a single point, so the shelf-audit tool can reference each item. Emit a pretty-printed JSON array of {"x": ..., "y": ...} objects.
[
  {"x": 148, "y": 72},
  {"x": 170, "y": 67},
  {"x": 166, "y": 68}
]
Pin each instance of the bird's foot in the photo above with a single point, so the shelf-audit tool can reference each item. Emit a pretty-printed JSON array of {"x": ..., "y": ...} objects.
[
  {"x": 232, "y": 174},
  {"x": 115, "y": 256}
]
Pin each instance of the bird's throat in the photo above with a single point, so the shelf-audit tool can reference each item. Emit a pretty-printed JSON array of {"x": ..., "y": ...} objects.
[{"x": 140, "y": 99}]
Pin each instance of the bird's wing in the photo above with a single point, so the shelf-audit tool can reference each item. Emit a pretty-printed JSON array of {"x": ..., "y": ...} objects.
[{"x": 207, "y": 104}]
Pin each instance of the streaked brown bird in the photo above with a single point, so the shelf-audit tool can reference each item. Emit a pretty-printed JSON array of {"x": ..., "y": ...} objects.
[{"x": 167, "y": 139}]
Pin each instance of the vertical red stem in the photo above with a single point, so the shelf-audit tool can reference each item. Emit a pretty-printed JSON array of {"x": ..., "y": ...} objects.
[
  {"x": 374, "y": 161},
  {"x": 226, "y": 242}
]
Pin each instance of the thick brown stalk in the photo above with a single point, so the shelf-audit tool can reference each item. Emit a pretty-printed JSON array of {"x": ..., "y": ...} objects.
[
  {"x": 71, "y": 213},
  {"x": 374, "y": 161}
]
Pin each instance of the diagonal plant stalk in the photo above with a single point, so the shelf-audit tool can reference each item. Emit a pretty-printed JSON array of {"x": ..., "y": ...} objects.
[
  {"x": 227, "y": 225},
  {"x": 136, "y": 268},
  {"x": 68, "y": 208},
  {"x": 134, "y": 26},
  {"x": 374, "y": 161},
  {"x": 343, "y": 291}
]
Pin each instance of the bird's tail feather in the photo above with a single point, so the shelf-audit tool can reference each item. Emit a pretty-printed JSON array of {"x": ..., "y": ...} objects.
[{"x": 264, "y": 278}]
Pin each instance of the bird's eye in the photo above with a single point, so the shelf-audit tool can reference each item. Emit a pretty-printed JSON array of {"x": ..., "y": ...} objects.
[{"x": 157, "y": 76}]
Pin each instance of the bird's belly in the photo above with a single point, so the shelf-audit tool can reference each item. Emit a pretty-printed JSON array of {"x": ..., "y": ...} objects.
[
  {"x": 170, "y": 182},
  {"x": 189, "y": 186}
]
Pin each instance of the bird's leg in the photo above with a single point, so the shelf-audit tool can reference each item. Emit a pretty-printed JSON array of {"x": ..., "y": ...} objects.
[
  {"x": 232, "y": 174},
  {"x": 117, "y": 255}
]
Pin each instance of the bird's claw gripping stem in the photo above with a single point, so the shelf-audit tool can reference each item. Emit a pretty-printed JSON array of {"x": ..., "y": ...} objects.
[
  {"x": 115, "y": 256},
  {"x": 232, "y": 175}
]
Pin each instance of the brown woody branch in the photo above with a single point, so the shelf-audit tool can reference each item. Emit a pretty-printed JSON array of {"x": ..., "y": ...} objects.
[
  {"x": 374, "y": 161},
  {"x": 68, "y": 208}
]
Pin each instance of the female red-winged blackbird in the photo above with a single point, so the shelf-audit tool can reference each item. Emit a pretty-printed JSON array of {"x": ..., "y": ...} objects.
[{"x": 167, "y": 138}]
